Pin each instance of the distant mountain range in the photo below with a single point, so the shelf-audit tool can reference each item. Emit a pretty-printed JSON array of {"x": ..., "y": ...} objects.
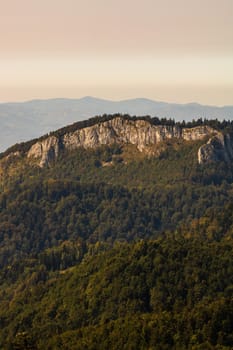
[{"x": 27, "y": 120}]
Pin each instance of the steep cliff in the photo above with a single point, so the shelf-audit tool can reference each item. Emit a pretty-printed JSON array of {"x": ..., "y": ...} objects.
[
  {"x": 46, "y": 150},
  {"x": 218, "y": 148},
  {"x": 141, "y": 133}
]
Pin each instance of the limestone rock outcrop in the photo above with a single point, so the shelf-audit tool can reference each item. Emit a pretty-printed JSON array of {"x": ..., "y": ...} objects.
[
  {"x": 218, "y": 148},
  {"x": 47, "y": 150},
  {"x": 197, "y": 133},
  {"x": 141, "y": 133}
]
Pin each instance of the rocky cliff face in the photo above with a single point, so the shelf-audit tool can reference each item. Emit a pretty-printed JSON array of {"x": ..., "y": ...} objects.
[
  {"x": 140, "y": 133},
  {"x": 46, "y": 150},
  {"x": 218, "y": 148}
]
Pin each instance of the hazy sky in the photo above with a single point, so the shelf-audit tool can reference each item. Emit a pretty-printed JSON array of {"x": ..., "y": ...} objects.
[{"x": 173, "y": 50}]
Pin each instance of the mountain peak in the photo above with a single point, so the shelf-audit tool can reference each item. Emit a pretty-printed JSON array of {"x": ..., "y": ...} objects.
[{"x": 123, "y": 130}]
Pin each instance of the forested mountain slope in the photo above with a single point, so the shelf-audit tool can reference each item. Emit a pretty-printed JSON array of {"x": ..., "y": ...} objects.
[{"x": 115, "y": 247}]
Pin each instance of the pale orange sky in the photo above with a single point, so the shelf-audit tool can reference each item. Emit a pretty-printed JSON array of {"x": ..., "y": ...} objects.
[{"x": 173, "y": 50}]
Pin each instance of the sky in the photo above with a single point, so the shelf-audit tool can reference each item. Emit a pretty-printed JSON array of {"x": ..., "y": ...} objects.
[{"x": 169, "y": 50}]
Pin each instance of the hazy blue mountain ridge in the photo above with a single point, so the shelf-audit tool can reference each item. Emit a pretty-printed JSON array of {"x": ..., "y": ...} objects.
[{"x": 28, "y": 120}]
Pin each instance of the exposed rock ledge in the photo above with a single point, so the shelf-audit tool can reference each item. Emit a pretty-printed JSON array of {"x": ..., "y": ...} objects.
[
  {"x": 140, "y": 133},
  {"x": 218, "y": 148}
]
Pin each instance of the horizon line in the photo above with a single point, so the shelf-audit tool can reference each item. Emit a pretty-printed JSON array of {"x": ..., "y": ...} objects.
[{"x": 113, "y": 101}]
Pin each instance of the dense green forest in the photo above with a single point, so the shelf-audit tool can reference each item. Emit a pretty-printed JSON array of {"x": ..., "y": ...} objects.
[
  {"x": 110, "y": 249},
  {"x": 170, "y": 293}
]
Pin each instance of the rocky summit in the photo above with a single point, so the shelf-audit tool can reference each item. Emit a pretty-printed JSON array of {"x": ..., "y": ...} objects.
[{"x": 141, "y": 133}]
